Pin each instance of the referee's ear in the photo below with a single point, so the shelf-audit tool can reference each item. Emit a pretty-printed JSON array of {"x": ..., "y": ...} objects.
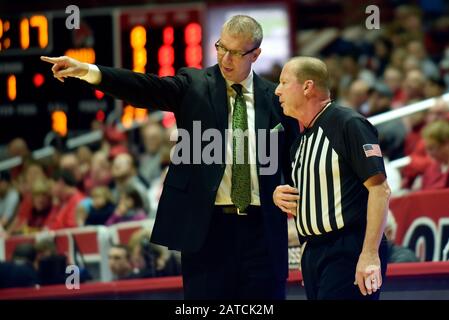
[{"x": 375, "y": 180}]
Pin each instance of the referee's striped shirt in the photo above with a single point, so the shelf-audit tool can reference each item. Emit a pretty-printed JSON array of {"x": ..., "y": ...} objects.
[{"x": 331, "y": 161}]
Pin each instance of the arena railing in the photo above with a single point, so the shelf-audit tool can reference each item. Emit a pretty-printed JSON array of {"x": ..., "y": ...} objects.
[{"x": 88, "y": 245}]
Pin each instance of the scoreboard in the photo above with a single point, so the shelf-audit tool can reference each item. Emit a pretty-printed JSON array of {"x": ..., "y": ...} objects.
[{"x": 158, "y": 39}]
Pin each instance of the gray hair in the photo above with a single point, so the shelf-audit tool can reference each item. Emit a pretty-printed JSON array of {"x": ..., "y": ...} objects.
[{"x": 246, "y": 26}]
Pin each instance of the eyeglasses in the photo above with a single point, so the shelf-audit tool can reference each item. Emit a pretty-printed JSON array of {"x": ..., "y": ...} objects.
[{"x": 222, "y": 50}]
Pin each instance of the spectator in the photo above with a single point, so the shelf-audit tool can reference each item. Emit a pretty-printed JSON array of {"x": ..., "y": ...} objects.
[
  {"x": 407, "y": 25},
  {"x": 393, "y": 79},
  {"x": 382, "y": 52},
  {"x": 69, "y": 162},
  {"x": 51, "y": 265},
  {"x": 414, "y": 145},
  {"x": 19, "y": 148},
  {"x": 416, "y": 49},
  {"x": 124, "y": 175},
  {"x": 84, "y": 155},
  {"x": 129, "y": 208},
  {"x": 97, "y": 209},
  {"x": 64, "y": 214},
  {"x": 436, "y": 139},
  {"x": 411, "y": 64},
  {"x": 391, "y": 133},
  {"x": 20, "y": 272},
  {"x": 398, "y": 56},
  {"x": 115, "y": 142},
  {"x": 150, "y": 161},
  {"x": 440, "y": 111},
  {"x": 32, "y": 172},
  {"x": 414, "y": 85},
  {"x": 358, "y": 96},
  {"x": 120, "y": 262},
  {"x": 9, "y": 200},
  {"x": 99, "y": 173},
  {"x": 396, "y": 253},
  {"x": 30, "y": 221},
  {"x": 152, "y": 260},
  {"x": 415, "y": 123}
]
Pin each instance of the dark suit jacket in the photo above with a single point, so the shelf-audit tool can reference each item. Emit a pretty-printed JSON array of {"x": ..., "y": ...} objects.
[{"x": 186, "y": 204}]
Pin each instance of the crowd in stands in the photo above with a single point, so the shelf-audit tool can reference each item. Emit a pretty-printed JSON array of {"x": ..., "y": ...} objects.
[
  {"x": 104, "y": 183},
  {"x": 405, "y": 62},
  {"x": 120, "y": 179},
  {"x": 95, "y": 185}
]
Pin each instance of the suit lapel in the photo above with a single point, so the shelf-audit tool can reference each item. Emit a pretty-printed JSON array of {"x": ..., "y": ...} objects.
[{"x": 218, "y": 97}]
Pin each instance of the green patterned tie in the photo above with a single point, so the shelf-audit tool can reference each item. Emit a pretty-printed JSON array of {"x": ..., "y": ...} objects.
[{"x": 241, "y": 177}]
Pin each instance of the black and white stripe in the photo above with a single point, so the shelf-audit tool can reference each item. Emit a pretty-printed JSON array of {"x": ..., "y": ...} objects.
[{"x": 316, "y": 174}]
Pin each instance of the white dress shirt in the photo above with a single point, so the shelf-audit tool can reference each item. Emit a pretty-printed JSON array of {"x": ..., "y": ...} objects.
[{"x": 224, "y": 191}]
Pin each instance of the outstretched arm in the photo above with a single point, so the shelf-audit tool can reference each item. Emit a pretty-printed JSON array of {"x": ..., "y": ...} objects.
[{"x": 142, "y": 90}]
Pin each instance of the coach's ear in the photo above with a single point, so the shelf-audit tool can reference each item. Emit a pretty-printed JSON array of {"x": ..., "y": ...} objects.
[{"x": 255, "y": 54}]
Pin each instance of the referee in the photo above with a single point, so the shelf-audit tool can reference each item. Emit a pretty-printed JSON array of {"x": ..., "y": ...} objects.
[{"x": 341, "y": 195}]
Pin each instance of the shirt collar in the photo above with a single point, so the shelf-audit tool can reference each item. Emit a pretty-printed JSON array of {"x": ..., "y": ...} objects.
[{"x": 247, "y": 84}]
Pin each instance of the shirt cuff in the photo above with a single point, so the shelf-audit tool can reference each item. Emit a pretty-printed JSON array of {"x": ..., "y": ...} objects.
[{"x": 93, "y": 76}]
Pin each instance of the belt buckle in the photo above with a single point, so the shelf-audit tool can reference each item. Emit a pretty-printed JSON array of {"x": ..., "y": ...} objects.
[{"x": 239, "y": 213}]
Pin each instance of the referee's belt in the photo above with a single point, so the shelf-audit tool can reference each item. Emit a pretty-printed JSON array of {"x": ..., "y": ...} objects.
[{"x": 232, "y": 209}]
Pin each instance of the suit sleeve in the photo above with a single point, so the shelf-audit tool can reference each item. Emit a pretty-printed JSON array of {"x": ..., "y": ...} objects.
[{"x": 145, "y": 90}]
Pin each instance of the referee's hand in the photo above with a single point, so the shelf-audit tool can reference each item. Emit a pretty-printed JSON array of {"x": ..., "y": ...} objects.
[
  {"x": 368, "y": 276},
  {"x": 286, "y": 198}
]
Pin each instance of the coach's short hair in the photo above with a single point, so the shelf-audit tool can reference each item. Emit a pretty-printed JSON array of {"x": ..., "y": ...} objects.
[{"x": 244, "y": 26}]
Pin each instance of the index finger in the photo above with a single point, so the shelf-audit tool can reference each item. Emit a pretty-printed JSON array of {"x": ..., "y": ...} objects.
[{"x": 51, "y": 60}]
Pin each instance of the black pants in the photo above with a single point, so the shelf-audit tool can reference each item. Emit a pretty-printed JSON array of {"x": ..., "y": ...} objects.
[
  {"x": 328, "y": 265},
  {"x": 234, "y": 263}
]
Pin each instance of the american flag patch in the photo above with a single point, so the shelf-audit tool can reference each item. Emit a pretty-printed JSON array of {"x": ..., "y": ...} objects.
[{"x": 372, "y": 150}]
